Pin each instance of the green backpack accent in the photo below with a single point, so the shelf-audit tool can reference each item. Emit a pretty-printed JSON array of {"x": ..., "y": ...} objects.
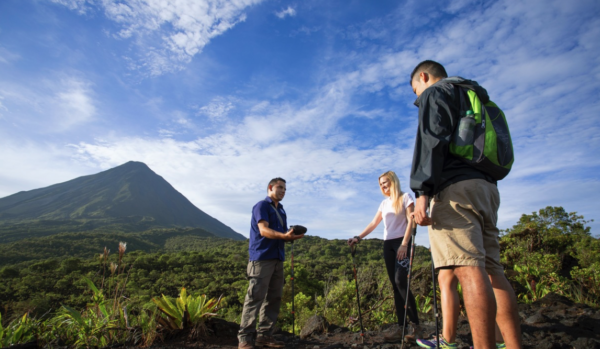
[{"x": 482, "y": 138}]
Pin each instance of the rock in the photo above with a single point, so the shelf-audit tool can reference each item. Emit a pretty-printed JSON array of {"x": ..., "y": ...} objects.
[
  {"x": 586, "y": 343},
  {"x": 220, "y": 327},
  {"x": 336, "y": 329},
  {"x": 537, "y": 318},
  {"x": 553, "y": 299},
  {"x": 29, "y": 345},
  {"x": 335, "y": 346},
  {"x": 281, "y": 337},
  {"x": 316, "y": 324}
]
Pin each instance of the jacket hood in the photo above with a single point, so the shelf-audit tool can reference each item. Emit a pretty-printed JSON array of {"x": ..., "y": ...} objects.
[{"x": 469, "y": 84}]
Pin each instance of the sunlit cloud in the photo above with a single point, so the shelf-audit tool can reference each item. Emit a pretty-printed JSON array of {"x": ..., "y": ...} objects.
[
  {"x": 74, "y": 104},
  {"x": 289, "y": 11},
  {"x": 217, "y": 109},
  {"x": 169, "y": 34},
  {"x": 50, "y": 106}
]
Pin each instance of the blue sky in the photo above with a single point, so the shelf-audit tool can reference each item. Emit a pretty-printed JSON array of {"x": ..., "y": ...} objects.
[{"x": 220, "y": 96}]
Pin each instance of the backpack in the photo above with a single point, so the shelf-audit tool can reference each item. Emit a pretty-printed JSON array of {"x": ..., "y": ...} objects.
[{"x": 482, "y": 138}]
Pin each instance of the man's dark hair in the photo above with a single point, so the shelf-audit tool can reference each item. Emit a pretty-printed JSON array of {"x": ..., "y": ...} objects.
[
  {"x": 430, "y": 67},
  {"x": 274, "y": 181}
]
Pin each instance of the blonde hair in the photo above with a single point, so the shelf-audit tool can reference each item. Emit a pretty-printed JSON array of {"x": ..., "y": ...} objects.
[{"x": 395, "y": 191}]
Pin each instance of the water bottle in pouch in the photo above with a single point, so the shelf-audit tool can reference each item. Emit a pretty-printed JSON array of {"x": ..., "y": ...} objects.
[{"x": 466, "y": 128}]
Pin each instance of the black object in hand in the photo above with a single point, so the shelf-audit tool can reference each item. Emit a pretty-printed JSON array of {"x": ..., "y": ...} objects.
[{"x": 298, "y": 229}]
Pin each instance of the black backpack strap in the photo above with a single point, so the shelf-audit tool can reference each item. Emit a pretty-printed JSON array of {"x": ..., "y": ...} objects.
[{"x": 278, "y": 216}]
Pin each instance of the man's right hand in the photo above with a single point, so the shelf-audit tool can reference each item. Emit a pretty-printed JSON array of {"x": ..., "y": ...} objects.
[
  {"x": 352, "y": 241},
  {"x": 420, "y": 214},
  {"x": 290, "y": 236}
]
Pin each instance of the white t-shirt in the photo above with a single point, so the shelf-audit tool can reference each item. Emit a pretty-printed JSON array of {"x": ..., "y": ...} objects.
[{"x": 395, "y": 224}]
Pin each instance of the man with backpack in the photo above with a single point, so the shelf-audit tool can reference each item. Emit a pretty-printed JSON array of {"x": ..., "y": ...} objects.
[{"x": 464, "y": 196}]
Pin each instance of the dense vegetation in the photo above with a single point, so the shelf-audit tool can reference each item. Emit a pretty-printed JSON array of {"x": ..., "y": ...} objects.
[
  {"x": 87, "y": 243},
  {"x": 61, "y": 278}
]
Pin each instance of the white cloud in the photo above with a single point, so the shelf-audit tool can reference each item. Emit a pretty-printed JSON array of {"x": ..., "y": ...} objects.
[
  {"x": 217, "y": 109},
  {"x": 289, "y": 11},
  {"x": 226, "y": 173},
  {"x": 169, "y": 33},
  {"x": 74, "y": 104},
  {"x": 28, "y": 165},
  {"x": 76, "y": 5},
  {"x": 50, "y": 105}
]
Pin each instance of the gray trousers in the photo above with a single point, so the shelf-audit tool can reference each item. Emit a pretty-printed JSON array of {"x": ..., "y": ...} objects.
[{"x": 264, "y": 295}]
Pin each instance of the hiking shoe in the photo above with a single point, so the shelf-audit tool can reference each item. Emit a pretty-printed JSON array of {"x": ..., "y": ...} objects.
[
  {"x": 414, "y": 334},
  {"x": 432, "y": 343},
  {"x": 268, "y": 341},
  {"x": 245, "y": 345}
]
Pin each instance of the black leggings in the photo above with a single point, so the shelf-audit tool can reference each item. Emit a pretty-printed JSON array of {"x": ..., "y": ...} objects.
[{"x": 398, "y": 274}]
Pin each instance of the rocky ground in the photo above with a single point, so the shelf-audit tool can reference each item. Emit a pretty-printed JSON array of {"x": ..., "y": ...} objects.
[{"x": 553, "y": 322}]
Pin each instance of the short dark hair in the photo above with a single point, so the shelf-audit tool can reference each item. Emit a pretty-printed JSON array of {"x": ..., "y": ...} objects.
[
  {"x": 430, "y": 67},
  {"x": 274, "y": 181}
]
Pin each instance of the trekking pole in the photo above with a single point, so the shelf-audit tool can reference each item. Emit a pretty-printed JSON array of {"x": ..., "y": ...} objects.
[
  {"x": 435, "y": 309},
  {"x": 362, "y": 330},
  {"x": 293, "y": 308},
  {"x": 412, "y": 254}
]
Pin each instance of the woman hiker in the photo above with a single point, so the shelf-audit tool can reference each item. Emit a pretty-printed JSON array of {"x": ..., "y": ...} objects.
[{"x": 395, "y": 210}]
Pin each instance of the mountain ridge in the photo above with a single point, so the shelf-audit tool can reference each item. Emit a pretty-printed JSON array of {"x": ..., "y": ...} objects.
[{"x": 130, "y": 193}]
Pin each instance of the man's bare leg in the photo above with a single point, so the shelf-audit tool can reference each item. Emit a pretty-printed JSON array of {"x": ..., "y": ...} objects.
[
  {"x": 450, "y": 303},
  {"x": 507, "y": 316},
  {"x": 499, "y": 338},
  {"x": 479, "y": 303}
]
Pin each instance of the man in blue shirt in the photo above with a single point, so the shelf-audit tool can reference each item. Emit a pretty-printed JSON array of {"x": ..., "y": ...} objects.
[{"x": 268, "y": 233}]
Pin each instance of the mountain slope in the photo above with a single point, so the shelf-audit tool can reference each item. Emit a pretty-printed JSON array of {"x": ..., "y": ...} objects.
[{"x": 131, "y": 192}]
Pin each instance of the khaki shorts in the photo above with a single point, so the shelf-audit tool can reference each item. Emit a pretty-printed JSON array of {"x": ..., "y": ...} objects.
[{"x": 464, "y": 230}]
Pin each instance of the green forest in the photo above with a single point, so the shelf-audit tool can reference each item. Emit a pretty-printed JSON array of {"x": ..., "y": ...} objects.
[{"x": 101, "y": 287}]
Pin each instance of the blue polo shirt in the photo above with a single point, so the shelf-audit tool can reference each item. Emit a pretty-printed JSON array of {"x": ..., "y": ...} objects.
[{"x": 262, "y": 248}]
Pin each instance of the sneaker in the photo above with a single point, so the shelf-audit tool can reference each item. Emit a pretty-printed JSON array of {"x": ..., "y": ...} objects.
[
  {"x": 245, "y": 345},
  {"x": 432, "y": 343},
  {"x": 268, "y": 341}
]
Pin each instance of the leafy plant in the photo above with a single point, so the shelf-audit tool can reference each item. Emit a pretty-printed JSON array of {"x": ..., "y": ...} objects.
[
  {"x": 424, "y": 303},
  {"x": 187, "y": 310},
  {"x": 89, "y": 328},
  {"x": 18, "y": 331}
]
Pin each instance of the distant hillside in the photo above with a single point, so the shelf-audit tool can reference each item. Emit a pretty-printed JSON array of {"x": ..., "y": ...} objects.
[
  {"x": 88, "y": 244},
  {"x": 129, "y": 197}
]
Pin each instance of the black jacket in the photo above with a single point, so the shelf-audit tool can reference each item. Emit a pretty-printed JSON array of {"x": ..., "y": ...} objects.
[{"x": 433, "y": 167}]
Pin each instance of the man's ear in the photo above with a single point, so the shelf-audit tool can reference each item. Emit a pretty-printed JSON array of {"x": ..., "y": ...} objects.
[{"x": 424, "y": 77}]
